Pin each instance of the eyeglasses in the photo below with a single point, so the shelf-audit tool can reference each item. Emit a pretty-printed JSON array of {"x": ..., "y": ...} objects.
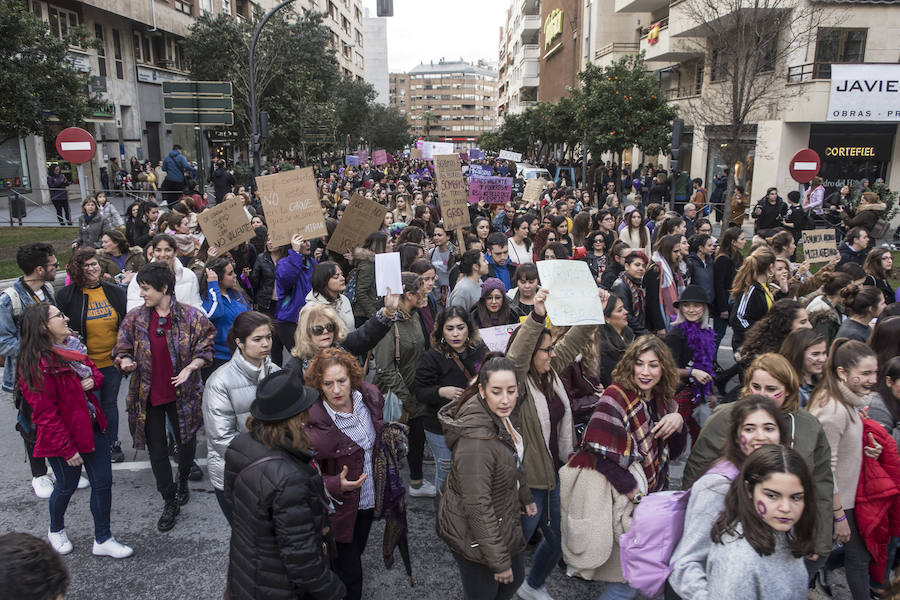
[
  {"x": 92, "y": 265},
  {"x": 162, "y": 323},
  {"x": 52, "y": 266},
  {"x": 548, "y": 349},
  {"x": 59, "y": 314},
  {"x": 320, "y": 329}
]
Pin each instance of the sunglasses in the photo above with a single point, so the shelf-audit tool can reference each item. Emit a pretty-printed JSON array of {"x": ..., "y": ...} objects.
[
  {"x": 162, "y": 323},
  {"x": 320, "y": 329}
]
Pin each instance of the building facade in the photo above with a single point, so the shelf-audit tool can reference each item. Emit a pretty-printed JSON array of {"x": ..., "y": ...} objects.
[
  {"x": 376, "y": 56},
  {"x": 451, "y": 101},
  {"x": 519, "y": 57}
]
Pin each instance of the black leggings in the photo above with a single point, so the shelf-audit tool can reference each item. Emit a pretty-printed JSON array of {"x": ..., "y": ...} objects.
[
  {"x": 478, "y": 581},
  {"x": 416, "y": 453},
  {"x": 285, "y": 333},
  {"x": 157, "y": 447}
]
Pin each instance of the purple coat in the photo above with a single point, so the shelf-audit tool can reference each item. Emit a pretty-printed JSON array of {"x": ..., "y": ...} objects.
[
  {"x": 191, "y": 337},
  {"x": 292, "y": 284}
]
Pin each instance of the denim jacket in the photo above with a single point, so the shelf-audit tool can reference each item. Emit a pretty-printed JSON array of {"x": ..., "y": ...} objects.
[{"x": 9, "y": 329}]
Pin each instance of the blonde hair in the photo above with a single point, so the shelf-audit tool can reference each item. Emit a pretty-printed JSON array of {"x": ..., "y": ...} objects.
[
  {"x": 304, "y": 347},
  {"x": 781, "y": 370},
  {"x": 753, "y": 266}
]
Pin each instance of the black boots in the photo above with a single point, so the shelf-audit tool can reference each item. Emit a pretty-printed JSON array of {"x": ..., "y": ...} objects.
[
  {"x": 184, "y": 493},
  {"x": 170, "y": 510}
]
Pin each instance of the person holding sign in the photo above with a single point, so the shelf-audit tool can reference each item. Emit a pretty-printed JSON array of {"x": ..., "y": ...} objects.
[
  {"x": 547, "y": 429},
  {"x": 292, "y": 283},
  {"x": 223, "y": 301}
]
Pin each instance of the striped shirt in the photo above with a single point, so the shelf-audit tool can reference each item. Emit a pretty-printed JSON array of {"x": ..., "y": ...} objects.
[{"x": 358, "y": 427}]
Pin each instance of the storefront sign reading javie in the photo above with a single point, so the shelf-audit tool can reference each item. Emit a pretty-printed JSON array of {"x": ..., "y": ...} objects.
[{"x": 864, "y": 92}]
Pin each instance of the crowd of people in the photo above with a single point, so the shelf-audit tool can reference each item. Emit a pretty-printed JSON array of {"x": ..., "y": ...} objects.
[{"x": 316, "y": 393}]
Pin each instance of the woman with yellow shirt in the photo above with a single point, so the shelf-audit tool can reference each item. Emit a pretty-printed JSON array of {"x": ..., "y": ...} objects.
[{"x": 95, "y": 309}]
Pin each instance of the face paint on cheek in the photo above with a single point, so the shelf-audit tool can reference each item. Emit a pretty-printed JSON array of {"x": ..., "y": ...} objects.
[
  {"x": 744, "y": 442},
  {"x": 777, "y": 395},
  {"x": 761, "y": 508}
]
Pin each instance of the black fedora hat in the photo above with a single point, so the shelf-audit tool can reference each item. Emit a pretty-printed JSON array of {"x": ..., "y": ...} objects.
[
  {"x": 693, "y": 293},
  {"x": 280, "y": 396}
]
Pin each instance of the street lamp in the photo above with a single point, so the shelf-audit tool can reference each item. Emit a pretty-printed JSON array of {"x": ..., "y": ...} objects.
[{"x": 254, "y": 117}]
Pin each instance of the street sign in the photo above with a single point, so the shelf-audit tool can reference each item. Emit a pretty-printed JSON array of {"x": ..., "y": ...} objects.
[
  {"x": 198, "y": 103},
  {"x": 197, "y": 88},
  {"x": 76, "y": 145},
  {"x": 805, "y": 165},
  {"x": 199, "y": 118}
]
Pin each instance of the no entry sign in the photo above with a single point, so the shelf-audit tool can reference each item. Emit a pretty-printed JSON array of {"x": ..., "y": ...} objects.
[
  {"x": 805, "y": 165},
  {"x": 75, "y": 145}
]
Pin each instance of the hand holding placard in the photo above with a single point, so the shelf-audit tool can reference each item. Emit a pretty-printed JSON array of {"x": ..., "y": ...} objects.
[{"x": 573, "y": 297}]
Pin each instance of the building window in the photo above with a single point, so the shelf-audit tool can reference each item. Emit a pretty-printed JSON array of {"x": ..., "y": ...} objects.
[
  {"x": 717, "y": 65},
  {"x": 242, "y": 9},
  {"x": 838, "y": 46},
  {"x": 184, "y": 6},
  {"x": 61, "y": 21},
  {"x": 101, "y": 50},
  {"x": 333, "y": 11},
  {"x": 117, "y": 52}
]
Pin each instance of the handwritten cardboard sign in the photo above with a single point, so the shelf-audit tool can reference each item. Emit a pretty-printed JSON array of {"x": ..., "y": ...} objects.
[
  {"x": 533, "y": 190},
  {"x": 291, "y": 204},
  {"x": 510, "y": 155},
  {"x": 379, "y": 157},
  {"x": 225, "y": 225},
  {"x": 819, "y": 245},
  {"x": 415, "y": 154},
  {"x": 481, "y": 170},
  {"x": 451, "y": 186},
  {"x": 361, "y": 218},
  {"x": 497, "y": 338},
  {"x": 573, "y": 298},
  {"x": 490, "y": 190}
]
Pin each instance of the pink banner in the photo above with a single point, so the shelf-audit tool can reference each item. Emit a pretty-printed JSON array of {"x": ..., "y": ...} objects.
[
  {"x": 379, "y": 157},
  {"x": 490, "y": 190}
]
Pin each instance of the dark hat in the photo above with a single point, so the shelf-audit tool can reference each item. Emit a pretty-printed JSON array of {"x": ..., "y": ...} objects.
[
  {"x": 693, "y": 293},
  {"x": 280, "y": 396}
]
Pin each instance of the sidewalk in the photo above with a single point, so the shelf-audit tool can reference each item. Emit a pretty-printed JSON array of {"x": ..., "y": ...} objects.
[{"x": 45, "y": 214}]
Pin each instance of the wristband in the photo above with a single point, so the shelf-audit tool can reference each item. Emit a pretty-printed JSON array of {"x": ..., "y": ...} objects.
[{"x": 842, "y": 518}]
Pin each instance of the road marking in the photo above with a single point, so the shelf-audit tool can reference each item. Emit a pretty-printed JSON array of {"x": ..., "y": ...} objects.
[{"x": 142, "y": 465}]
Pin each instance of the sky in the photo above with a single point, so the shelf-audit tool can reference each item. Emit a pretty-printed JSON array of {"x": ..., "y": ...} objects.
[{"x": 425, "y": 30}]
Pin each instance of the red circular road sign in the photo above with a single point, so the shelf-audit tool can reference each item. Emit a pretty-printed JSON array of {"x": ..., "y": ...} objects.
[
  {"x": 76, "y": 145},
  {"x": 805, "y": 165}
]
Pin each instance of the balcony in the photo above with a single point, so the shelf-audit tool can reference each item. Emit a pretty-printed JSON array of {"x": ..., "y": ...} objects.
[
  {"x": 639, "y": 6},
  {"x": 531, "y": 23},
  {"x": 668, "y": 49},
  {"x": 531, "y": 51},
  {"x": 531, "y": 7},
  {"x": 685, "y": 23}
]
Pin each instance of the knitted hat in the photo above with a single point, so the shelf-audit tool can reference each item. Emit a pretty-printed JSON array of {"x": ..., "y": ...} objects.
[{"x": 490, "y": 284}]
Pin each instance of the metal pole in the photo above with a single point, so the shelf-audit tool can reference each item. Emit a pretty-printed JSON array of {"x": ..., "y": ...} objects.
[
  {"x": 254, "y": 117},
  {"x": 82, "y": 184}
]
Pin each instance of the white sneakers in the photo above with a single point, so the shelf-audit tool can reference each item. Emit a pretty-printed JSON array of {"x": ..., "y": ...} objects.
[
  {"x": 526, "y": 592},
  {"x": 426, "y": 490},
  {"x": 83, "y": 482},
  {"x": 112, "y": 548},
  {"x": 43, "y": 486},
  {"x": 60, "y": 541}
]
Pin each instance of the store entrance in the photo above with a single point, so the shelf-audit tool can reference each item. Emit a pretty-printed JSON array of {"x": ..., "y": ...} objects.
[{"x": 851, "y": 152}]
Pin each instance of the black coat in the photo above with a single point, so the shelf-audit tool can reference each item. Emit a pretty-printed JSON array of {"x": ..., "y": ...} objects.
[
  {"x": 724, "y": 271},
  {"x": 223, "y": 182},
  {"x": 437, "y": 370},
  {"x": 71, "y": 300},
  {"x": 262, "y": 278},
  {"x": 611, "y": 346},
  {"x": 280, "y": 513}
]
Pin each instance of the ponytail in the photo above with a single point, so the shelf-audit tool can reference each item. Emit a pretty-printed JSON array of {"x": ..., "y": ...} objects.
[{"x": 753, "y": 266}]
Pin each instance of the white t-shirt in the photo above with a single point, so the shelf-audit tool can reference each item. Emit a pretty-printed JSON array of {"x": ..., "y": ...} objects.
[{"x": 518, "y": 253}]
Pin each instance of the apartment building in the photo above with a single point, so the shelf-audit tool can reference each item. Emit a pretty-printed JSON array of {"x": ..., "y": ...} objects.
[
  {"x": 376, "y": 56},
  {"x": 519, "y": 57},
  {"x": 451, "y": 101}
]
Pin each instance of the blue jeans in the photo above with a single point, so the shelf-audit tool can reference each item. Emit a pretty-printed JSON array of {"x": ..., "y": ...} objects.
[
  {"x": 99, "y": 473},
  {"x": 549, "y": 551},
  {"x": 618, "y": 591},
  {"x": 443, "y": 458},
  {"x": 108, "y": 396},
  {"x": 719, "y": 327}
]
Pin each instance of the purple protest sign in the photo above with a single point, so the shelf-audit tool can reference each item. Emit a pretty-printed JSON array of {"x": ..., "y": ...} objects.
[
  {"x": 390, "y": 158},
  {"x": 362, "y": 155},
  {"x": 490, "y": 190},
  {"x": 463, "y": 156},
  {"x": 379, "y": 157},
  {"x": 475, "y": 154},
  {"x": 351, "y": 160},
  {"x": 480, "y": 171}
]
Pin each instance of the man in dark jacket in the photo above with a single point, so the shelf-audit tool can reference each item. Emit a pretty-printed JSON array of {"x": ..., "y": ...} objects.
[
  {"x": 175, "y": 165},
  {"x": 769, "y": 213},
  {"x": 222, "y": 180},
  {"x": 280, "y": 509},
  {"x": 855, "y": 248},
  {"x": 629, "y": 287},
  {"x": 499, "y": 265}
]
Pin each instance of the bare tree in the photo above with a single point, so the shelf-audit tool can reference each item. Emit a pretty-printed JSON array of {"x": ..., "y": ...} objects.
[{"x": 747, "y": 46}]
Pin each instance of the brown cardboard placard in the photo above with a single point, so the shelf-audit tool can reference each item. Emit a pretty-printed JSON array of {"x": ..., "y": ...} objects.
[
  {"x": 819, "y": 245},
  {"x": 415, "y": 154},
  {"x": 533, "y": 190},
  {"x": 451, "y": 187},
  {"x": 225, "y": 225},
  {"x": 291, "y": 204},
  {"x": 361, "y": 218}
]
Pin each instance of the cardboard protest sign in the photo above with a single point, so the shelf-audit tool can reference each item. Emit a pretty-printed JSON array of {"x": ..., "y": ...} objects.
[
  {"x": 225, "y": 225},
  {"x": 819, "y": 245},
  {"x": 510, "y": 155},
  {"x": 291, "y": 204},
  {"x": 496, "y": 338},
  {"x": 361, "y": 218},
  {"x": 573, "y": 298},
  {"x": 351, "y": 161},
  {"x": 533, "y": 190},
  {"x": 379, "y": 157},
  {"x": 481, "y": 170},
  {"x": 451, "y": 187},
  {"x": 490, "y": 190},
  {"x": 415, "y": 154}
]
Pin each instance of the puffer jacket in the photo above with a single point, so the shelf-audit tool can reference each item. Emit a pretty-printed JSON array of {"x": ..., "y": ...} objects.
[
  {"x": 367, "y": 301},
  {"x": 479, "y": 508},
  {"x": 134, "y": 260},
  {"x": 227, "y": 397},
  {"x": 866, "y": 216},
  {"x": 280, "y": 514}
]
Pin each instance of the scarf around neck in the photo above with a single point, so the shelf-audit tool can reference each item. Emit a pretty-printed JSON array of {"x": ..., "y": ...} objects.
[
  {"x": 702, "y": 340},
  {"x": 74, "y": 354},
  {"x": 670, "y": 287}
]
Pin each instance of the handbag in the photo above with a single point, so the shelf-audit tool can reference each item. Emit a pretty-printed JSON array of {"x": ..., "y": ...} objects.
[{"x": 393, "y": 407}]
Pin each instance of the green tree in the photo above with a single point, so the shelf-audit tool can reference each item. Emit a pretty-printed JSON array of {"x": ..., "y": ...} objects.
[
  {"x": 37, "y": 75},
  {"x": 296, "y": 70},
  {"x": 429, "y": 118},
  {"x": 621, "y": 107},
  {"x": 387, "y": 128},
  {"x": 353, "y": 107}
]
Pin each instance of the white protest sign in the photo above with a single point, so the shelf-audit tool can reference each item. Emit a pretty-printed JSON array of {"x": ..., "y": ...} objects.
[
  {"x": 573, "y": 298},
  {"x": 510, "y": 155},
  {"x": 387, "y": 273},
  {"x": 496, "y": 338},
  {"x": 432, "y": 149}
]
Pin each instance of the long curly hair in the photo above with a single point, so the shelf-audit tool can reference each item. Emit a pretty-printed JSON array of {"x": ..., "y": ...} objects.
[
  {"x": 623, "y": 374},
  {"x": 767, "y": 334},
  {"x": 437, "y": 334}
]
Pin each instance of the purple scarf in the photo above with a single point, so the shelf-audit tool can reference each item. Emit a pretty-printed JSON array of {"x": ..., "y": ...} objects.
[{"x": 703, "y": 342}]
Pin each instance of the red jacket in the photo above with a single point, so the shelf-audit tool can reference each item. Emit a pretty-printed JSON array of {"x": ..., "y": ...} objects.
[
  {"x": 60, "y": 412},
  {"x": 877, "y": 508},
  {"x": 334, "y": 450}
]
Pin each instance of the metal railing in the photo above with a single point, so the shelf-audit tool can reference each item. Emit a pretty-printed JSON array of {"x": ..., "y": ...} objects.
[
  {"x": 18, "y": 204},
  {"x": 801, "y": 73},
  {"x": 625, "y": 47}
]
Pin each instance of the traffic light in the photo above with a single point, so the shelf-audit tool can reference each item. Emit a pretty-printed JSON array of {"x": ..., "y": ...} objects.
[
  {"x": 675, "y": 150},
  {"x": 385, "y": 8},
  {"x": 264, "y": 124}
]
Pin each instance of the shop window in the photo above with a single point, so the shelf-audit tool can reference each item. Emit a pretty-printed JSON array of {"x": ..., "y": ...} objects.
[
  {"x": 101, "y": 49},
  {"x": 836, "y": 45},
  {"x": 117, "y": 53},
  {"x": 13, "y": 164}
]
